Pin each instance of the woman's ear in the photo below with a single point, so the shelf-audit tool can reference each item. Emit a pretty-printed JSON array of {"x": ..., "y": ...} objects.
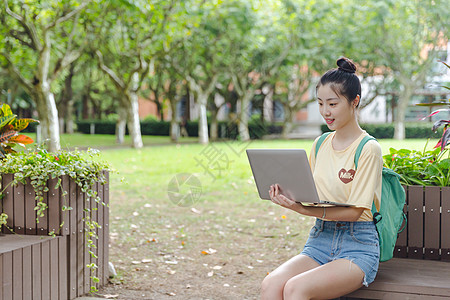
[{"x": 356, "y": 101}]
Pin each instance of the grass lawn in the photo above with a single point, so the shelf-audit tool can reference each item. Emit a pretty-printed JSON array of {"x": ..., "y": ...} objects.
[
  {"x": 107, "y": 140},
  {"x": 218, "y": 244}
]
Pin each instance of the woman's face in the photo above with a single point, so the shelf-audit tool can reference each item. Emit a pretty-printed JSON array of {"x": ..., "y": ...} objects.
[{"x": 335, "y": 109}]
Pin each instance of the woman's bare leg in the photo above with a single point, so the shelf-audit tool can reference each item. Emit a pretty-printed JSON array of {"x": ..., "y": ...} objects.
[
  {"x": 273, "y": 285},
  {"x": 328, "y": 281}
]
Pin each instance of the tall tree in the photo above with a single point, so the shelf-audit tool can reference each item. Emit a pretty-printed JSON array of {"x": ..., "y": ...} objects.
[
  {"x": 259, "y": 45},
  {"x": 404, "y": 37},
  {"x": 41, "y": 41},
  {"x": 132, "y": 34}
]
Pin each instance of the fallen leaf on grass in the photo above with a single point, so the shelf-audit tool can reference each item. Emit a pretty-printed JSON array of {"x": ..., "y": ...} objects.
[
  {"x": 209, "y": 251},
  {"x": 196, "y": 211},
  {"x": 171, "y": 294},
  {"x": 171, "y": 272},
  {"x": 135, "y": 262}
]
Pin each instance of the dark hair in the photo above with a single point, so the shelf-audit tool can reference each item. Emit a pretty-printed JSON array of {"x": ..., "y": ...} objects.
[{"x": 342, "y": 80}]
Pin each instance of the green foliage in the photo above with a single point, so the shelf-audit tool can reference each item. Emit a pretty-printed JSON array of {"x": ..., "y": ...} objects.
[
  {"x": 39, "y": 166},
  {"x": 9, "y": 131},
  {"x": 257, "y": 129},
  {"x": 386, "y": 130},
  {"x": 425, "y": 167}
]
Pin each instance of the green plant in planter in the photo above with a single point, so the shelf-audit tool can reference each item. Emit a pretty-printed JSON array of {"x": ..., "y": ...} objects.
[
  {"x": 9, "y": 131},
  {"x": 39, "y": 166},
  {"x": 427, "y": 167}
]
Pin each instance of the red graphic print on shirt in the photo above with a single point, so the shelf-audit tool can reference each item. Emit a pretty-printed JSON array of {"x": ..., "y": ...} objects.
[{"x": 346, "y": 176}]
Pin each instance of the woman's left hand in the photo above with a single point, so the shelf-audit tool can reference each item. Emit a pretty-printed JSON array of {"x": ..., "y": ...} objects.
[{"x": 278, "y": 198}]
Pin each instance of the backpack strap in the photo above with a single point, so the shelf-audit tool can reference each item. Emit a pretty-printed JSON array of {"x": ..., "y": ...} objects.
[
  {"x": 376, "y": 215},
  {"x": 360, "y": 147},
  {"x": 320, "y": 141}
]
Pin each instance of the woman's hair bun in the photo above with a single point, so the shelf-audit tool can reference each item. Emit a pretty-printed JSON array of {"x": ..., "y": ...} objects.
[{"x": 346, "y": 65}]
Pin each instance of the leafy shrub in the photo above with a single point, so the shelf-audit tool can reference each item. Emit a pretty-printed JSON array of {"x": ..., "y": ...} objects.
[
  {"x": 386, "y": 131},
  {"x": 428, "y": 168}
]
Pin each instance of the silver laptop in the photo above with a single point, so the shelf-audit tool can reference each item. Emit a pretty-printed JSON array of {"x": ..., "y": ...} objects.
[{"x": 290, "y": 169}]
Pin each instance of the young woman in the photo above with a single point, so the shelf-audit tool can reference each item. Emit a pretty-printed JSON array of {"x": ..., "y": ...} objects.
[{"x": 342, "y": 251}]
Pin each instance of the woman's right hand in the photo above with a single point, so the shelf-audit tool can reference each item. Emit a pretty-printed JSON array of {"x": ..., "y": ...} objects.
[{"x": 277, "y": 197}]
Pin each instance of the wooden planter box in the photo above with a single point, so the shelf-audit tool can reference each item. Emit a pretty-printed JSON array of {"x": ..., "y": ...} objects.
[
  {"x": 55, "y": 268},
  {"x": 427, "y": 235}
]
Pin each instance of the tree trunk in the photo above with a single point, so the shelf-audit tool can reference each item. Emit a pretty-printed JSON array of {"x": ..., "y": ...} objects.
[
  {"x": 48, "y": 116},
  {"x": 244, "y": 133},
  {"x": 403, "y": 101},
  {"x": 134, "y": 126},
  {"x": 288, "y": 122},
  {"x": 202, "y": 119},
  {"x": 70, "y": 117},
  {"x": 174, "y": 126},
  {"x": 121, "y": 125},
  {"x": 214, "y": 130}
]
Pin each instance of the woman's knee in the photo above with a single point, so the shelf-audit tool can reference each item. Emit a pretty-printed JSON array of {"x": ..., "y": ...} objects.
[
  {"x": 272, "y": 285},
  {"x": 295, "y": 289}
]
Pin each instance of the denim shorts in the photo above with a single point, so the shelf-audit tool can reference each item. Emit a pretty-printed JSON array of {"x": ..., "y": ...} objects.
[{"x": 354, "y": 241}]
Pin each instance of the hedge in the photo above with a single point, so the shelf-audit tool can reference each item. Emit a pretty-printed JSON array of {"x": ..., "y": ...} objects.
[
  {"x": 152, "y": 127},
  {"x": 386, "y": 131}
]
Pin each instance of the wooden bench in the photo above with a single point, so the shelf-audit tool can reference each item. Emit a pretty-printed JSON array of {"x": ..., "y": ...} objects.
[
  {"x": 421, "y": 267},
  {"x": 35, "y": 266}
]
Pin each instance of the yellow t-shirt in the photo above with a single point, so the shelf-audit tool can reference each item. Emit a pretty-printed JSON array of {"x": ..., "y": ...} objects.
[{"x": 336, "y": 178}]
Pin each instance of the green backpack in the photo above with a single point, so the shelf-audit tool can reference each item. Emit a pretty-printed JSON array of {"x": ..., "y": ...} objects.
[{"x": 389, "y": 219}]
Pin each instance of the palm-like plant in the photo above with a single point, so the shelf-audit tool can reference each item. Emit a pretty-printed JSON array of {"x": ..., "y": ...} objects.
[
  {"x": 10, "y": 127},
  {"x": 445, "y": 139}
]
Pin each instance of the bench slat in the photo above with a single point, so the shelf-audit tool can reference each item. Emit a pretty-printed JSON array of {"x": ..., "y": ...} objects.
[
  {"x": 72, "y": 198},
  {"x": 19, "y": 209},
  {"x": 415, "y": 216},
  {"x": 11, "y": 242},
  {"x": 17, "y": 274},
  {"x": 30, "y": 213},
  {"x": 1, "y": 277},
  {"x": 7, "y": 280},
  {"x": 106, "y": 229},
  {"x": 8, "y": 205},
  {"x": 410, "y": 277},
  {"x": 45, "y": 269},
  {"x": 37, "y": 267},
  {"x": 432, "y": 222},
  {"x": 27, "y": 273},
  {"x": 54, "y": 276},
  {"x": 445, "y": 224},
  {"x": 80, "y": 238},
  {"x": 54, "y": 210},
  {"x": 402, "y": 240}
]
